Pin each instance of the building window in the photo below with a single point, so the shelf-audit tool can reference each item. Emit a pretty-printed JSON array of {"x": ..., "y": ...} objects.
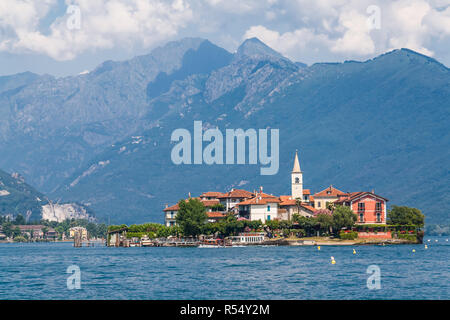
[
  {"x": 268, "y": 218},
  {"x": 318, "y": 204},
  {"x": 361, "y": 217},
  {"x": 378, "y": 206},
  {"x": 268, "y": 208},
  {"x": 361, "y": 206},
  {"x": 378, "y": 217},
  {"x": 297, "y": 180}
]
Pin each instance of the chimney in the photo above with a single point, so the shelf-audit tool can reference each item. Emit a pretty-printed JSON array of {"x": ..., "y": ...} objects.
[{"x": 373, "y": 191}]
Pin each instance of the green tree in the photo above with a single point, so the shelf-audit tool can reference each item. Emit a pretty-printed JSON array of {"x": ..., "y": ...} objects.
[
  {"x": 7, "y": 228},
  {"x": 191, "y": 217},
  {"x": 60, "y": 230},
  {"x": 405, "y": 216},
  {"x": 298, "y": 203},
  {"x": 325, "y": 222},
  {"x": 343, "y": 217},
  {"x": 44, "y": 231},
  {"x": 101, "y": 230},
  {"x": 20, "y": 220},
  {"x": 16, "y": 232}
]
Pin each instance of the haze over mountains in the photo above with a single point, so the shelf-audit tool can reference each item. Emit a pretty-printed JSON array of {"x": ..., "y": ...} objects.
[{"x": 103, "y": 138}]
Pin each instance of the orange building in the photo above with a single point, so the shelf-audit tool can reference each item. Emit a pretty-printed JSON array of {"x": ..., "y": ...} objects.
[{"x": 369, "y": 207}]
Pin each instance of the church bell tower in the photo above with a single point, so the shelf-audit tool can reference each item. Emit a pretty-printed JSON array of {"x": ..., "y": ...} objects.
[{"x": 296, "y": 179}]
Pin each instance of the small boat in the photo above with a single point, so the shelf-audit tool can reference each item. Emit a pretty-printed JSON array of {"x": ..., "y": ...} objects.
[{"x": 213, "y": 243}]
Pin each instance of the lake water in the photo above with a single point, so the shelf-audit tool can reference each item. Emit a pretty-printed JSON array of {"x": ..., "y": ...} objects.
[{"x": 38, "y": 271}]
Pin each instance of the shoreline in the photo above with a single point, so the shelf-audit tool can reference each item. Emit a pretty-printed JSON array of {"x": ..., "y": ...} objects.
[
  {"x": 336, "y": 242},
  {"x": 315, "y": 241}
]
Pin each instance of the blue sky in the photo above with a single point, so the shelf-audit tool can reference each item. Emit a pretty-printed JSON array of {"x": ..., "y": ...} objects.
[{"x": 66, "y": 37}]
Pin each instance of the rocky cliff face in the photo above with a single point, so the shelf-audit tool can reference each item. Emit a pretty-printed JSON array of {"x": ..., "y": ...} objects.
[
  {"x": 61, "y": 212},
  {"x": 17, "y": 197}
]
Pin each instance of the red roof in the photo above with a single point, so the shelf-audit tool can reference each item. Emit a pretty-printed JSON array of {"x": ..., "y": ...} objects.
[
  {"x": 312, "y": 209},
  {"x": 322, "y": 211},
  {"x": 206, "y": 203},
  {"x": 265, "y": 195},
  {"x": 237, "y": 193},
  {"x": 210, "y": 203},
  {"x": 215, "y": 215},
  {"x": 258, "y": 200},
  {"x": 211, "y": 194},
  {"x": 354, "y": 195},
  {"x": 329, "y": 192}
]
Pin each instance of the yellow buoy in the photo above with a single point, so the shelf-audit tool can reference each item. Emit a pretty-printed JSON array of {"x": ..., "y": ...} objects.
[
  {"x": 426, "y": 247},
  {"x": 413, "y": 250},
  {"x": 354, "y": 251},
  {"x": 318, "y": 247},
  {"x": 333, "y": 261}
]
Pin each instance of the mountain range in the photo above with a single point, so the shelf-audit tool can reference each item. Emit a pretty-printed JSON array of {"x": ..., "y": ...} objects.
[{"x": 103, "y": 138}]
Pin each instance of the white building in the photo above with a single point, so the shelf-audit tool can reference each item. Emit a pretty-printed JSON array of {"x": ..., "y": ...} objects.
[
  {"x": 296, "y": 179},
  {"x": 230, "y": 199},
  {"x": 262, "y": 207}
]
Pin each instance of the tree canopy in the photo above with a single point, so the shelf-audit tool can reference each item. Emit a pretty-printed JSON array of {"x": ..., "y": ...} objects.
[
  {"x": 191, "y": 217},
  {"x": 405, "y": 216},
  {"x": 343, "y": 217}
]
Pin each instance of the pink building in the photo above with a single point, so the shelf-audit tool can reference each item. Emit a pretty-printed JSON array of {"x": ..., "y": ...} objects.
[{"x": 369, "y": 207}]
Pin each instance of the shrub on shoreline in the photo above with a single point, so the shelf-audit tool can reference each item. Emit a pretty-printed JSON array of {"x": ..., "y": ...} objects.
[{"x": 352, "y": 235}]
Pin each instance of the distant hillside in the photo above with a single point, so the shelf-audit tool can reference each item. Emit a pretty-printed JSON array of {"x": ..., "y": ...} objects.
[
  {"x": 17, "y": 197},
  {"x": 103, "y": 139}
]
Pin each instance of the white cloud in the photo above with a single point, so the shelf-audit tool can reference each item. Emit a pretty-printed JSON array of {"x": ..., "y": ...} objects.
[
  {"x": 356, "y": 38},
  {"x": 303, "y": 30},
  {"x": 104, "y": 24},
  {"x": 290, "y": 44},
  {"x": 340, "y": 28}
]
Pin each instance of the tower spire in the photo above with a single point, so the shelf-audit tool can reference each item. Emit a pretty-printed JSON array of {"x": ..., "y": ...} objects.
[
  {"x": 296, "y": 179},
  {"x": 296, "y": 168}
]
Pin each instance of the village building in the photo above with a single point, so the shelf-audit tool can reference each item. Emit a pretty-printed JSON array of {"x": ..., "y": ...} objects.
[
  {"x": 257, "y": 205},
  {"x": 369, "y": 207},
  {"x": 37, "y": 232},
  {"x": 211, "y": 195},
  {"x": 2, "y": 235},
  {"x": 230, "y": 199},
  {"x": 262, "y": 207},
  {"x": 212, "y": 211},
  {"x": 289, "y": 206},
  {"x": 324, "y": 198},
  {"x": 299, "y": 202},
  {"x": 81, "y": 230}
]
